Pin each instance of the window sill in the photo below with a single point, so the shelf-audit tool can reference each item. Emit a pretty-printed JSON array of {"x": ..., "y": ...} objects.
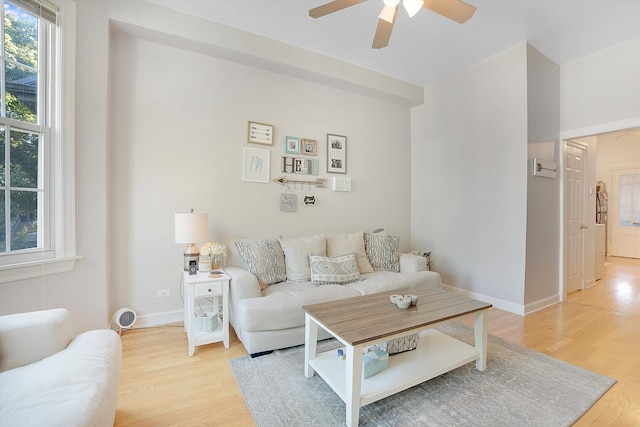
[{"x": 31, "y": 269}]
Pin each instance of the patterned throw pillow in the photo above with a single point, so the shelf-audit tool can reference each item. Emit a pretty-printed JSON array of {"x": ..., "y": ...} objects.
[
  {"x": 334, "y": 271},
  {"x": 383, "y": 252},
  {"x": 265, "y": 259}
]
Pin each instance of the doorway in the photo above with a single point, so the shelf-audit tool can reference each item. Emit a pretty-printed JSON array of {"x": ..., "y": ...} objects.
[
  {"x": 580, "y": 270},
  {"x": 624, "y": 214}
]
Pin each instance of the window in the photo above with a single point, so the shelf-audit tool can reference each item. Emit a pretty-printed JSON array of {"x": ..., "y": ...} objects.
[
  {"x": 630, "y": 200},
  {"x": 36, "y": 189}
]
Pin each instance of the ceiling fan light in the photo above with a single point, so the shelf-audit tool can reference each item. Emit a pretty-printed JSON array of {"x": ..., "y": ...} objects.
[
  {"x": 391, "y": 3},
  {"x": 412, "y": 6}
]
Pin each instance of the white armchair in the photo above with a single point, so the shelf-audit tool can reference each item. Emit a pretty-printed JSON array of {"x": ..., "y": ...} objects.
[{"x": 49, "y": 377}]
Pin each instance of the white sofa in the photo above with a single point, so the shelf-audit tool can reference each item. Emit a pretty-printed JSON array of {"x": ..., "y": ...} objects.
[
  {"x": 266, "y": 307},
  {"x": 49, "y": 378}
]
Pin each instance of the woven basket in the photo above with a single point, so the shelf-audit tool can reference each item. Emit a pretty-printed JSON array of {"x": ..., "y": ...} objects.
[
  {"x": 208, "y": 322},
  {"x": 399, "y": 345}
]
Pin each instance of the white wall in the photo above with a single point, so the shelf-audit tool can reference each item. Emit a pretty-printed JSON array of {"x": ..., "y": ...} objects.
[
  {"x": 161, "y": 129},
  {"x": 543, "y": 194},
  {"x": 83, "y": 291},
  {"x": 469, "y": 177},
  {"x": 601, "y": 88},
  {"x": 178, "y": 129}
]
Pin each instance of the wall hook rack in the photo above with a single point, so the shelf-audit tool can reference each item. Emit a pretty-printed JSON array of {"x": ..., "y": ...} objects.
[{"x": 319, "y": 183}]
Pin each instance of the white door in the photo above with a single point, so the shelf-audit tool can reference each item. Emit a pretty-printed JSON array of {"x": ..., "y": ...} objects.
[
  {"x": 574, "y": 213},
  {"x": 624, "y": 213}
]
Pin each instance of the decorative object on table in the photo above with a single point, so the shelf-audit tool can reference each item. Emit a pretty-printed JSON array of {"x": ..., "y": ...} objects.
[
  {"x": 414, "y": 298},
  {"x": 204, "y": 264},
  {"x": 191, "y": 228},
  {"x": 373, "y": 361},
  {"x": 300, "y": 166},
  {"x": 309, "y": 147},
  {"x": 260, "y": 133},
  {"x": 403, "y": 302},
  {"x": 394, "y": 298},
  {"x": 292, "y": 145},
  {"x": 283, "y": 180},
  {"x": 215, "y": 253},
  {"x": 256, "y": 165},
  {"x": 402, "y": 344},
  {"x": 288, "y": 202},
  {"x": 336, "y": 153}
]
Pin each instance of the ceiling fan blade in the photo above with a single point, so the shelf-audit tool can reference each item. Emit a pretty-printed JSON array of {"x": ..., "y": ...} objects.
[
  {"x": 331, "y": 7},
  {"x": 385, "y": 25},
  {"x": 456, "y": 10}
]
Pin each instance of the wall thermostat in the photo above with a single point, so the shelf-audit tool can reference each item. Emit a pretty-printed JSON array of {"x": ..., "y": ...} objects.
[{"x": 341, "y": 183}]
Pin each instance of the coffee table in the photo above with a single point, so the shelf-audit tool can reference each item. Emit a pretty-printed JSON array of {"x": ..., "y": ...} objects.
[{"x": 360, "y": 322}]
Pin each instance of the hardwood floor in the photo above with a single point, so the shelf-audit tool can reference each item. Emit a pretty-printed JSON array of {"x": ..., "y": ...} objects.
[{"x": 597, "y": 329}]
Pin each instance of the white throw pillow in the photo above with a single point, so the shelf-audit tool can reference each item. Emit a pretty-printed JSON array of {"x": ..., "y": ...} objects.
[
  {"x": 296, "y": 255},
  {"x": 340, "y": 244},
  {"x": 334, "y": 271}
]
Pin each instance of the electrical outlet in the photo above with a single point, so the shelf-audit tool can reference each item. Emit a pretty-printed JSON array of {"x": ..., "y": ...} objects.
[{"x": 161, "y": 293}]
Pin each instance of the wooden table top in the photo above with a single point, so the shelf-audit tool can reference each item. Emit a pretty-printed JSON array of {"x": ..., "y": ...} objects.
[{"x": 373, "y": 317}]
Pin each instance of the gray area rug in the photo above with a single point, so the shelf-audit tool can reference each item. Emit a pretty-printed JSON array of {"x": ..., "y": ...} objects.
[{"x": 520, "y": 387}]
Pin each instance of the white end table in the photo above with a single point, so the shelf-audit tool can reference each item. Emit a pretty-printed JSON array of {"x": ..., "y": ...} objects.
[{"x": 202, "y": 286}]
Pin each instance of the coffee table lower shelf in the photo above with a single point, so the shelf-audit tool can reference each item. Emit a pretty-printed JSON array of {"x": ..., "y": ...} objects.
[{"x": 436, "y": 354}]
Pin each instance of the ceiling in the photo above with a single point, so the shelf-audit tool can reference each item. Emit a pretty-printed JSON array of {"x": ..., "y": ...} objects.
[{"x": 428, "y": 47}]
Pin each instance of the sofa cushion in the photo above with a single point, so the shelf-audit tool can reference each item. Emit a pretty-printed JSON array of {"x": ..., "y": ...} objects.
[
  {"x": 280, "y": 307},
  {"x": 265, "y": 259},
  {"x": 340, "y": 244},
  {"x": 383, "y": 252},
  {"x": 384, "y": 281},
  {"x": 296, "y": 255},
  {"x": 334, "y": 270}
]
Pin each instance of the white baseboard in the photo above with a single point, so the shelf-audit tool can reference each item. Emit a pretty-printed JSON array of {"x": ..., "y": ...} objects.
[
  {"x": 157, "y": 319},
  {"x": 519, "y": 309}
]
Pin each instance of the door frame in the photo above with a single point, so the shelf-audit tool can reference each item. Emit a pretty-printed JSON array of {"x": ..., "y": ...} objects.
[
  {"x": 576, "y": 143},
  {"x": 564, "y": 137}
]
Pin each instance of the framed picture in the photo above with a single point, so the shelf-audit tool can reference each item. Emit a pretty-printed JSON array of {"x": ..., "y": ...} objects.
[
  {"x": 309, "y": 147},
  {"x": 292, "y": 145},
  {"x": 260, "y": 133},
  {"x": 336, "y": 153},
  {"x": 256, "y": 165}
]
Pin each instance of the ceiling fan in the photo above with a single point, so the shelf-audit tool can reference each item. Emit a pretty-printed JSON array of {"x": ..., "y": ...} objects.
[{"x": 456, "y": 10}]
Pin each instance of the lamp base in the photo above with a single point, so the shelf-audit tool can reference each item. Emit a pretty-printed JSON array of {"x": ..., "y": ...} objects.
[{"x": 191, "y": 253}]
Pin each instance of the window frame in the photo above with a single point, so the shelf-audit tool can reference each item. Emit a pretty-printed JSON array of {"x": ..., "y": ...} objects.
[{"x": 58, "y": 159}]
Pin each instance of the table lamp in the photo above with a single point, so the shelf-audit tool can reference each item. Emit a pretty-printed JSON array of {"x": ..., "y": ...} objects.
[{"x": 191, "y": 228}]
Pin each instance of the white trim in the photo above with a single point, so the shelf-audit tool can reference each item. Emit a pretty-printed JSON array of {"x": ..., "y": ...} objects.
[
  {"x": 61, "y": 183},
  {"x": 29, "y": 270},
  {"x": 519, "y": 309},
  {"x": 497, "y": 303},
  {"x": 157, "y": 319},
  {"x": 602, "y": 128}
]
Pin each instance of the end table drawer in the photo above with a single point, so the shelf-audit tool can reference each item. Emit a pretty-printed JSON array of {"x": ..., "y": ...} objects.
[{"x": 208, "y": 289}]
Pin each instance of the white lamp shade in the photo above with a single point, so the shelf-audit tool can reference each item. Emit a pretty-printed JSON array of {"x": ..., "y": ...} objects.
[{"x": 192, "y": 227}]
